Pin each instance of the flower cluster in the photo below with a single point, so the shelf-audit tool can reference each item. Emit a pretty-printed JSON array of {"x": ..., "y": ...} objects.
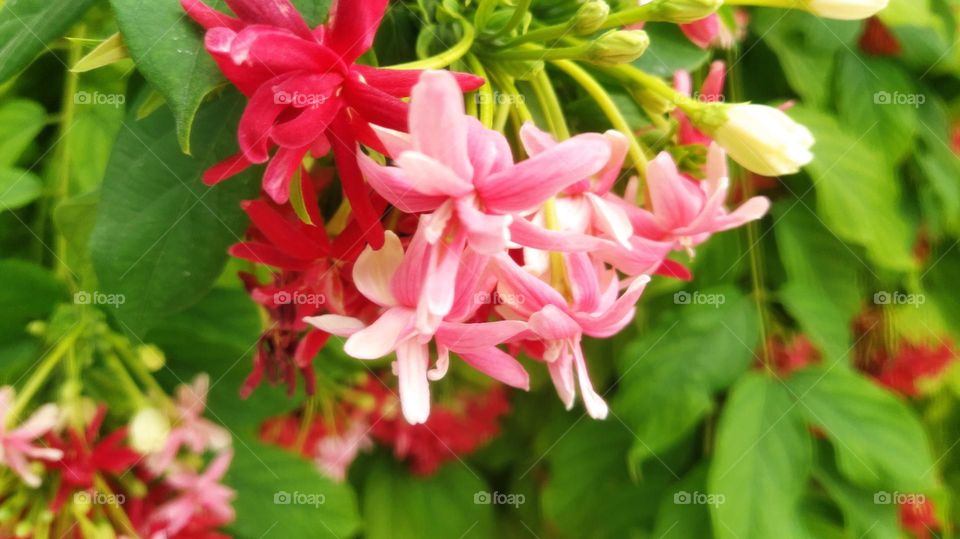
[{"x": 142, "y": 480}]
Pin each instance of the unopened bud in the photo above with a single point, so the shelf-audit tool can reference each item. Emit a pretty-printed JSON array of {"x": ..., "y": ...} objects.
[
  {"x": 149, "y": 430},
  {"x": 590, "y": 17},
  {"x": 618, "y": 47},
  {"x": 686, "y": 11},
  {"x": 152, "y": 357}
]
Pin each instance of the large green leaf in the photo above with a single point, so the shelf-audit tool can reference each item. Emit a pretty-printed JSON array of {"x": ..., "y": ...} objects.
[
  {"x": 806, "y": 46},
  {"x": 684, "y": 512},
  {"x": 761, "y": 462},
  {"x": 18, "y": 188},
  {"x": 20, "y": 123},
  {"x": 858, "y": 196},
  {"x": 454, "y": 502},
  {"x": 167, "y": 47},
  {"x": 29, "y": 292},
  {"x": 161, "y": 235},
  {"x": 28, "y": 26},
  {"x": 878, "y": 441},
  {"x": 590, "y": 492},
  {"x": 280, "y": 494},
  {"x": 823, "y": 297},
  {"x": 670, "y": 376},
  {"x": 862, "y": 513},
  {"x": 877, "y": 98}
]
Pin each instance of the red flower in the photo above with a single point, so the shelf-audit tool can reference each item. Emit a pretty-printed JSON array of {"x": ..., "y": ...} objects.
[
  {"x": 306, "y": 93},
  {"x": 84, "y": 457},
  {"x": 918, "y": 518},
  {"x": 793, "y": 355},
  {"x": 878, "y": 40},
  {"x": 902, "y": 371}
]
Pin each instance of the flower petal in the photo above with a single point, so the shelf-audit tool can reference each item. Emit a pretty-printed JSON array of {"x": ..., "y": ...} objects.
[
  {"x": 374, "y": 270},
  {"x": 412, "y": 364},
  {"x": 498, "y": 365},
  {"x": 383, "y": 336}
]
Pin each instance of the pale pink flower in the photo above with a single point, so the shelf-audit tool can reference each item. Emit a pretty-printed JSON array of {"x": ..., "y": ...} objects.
[
  {"x": 17, "y": 446},
  {"x": 465, "y": 177},
  {"x": 199, "y": 494},
  {"x": 335, "y": 453},
  {"x": 191, "y": 429},
  {"x": 396, "y": 281},
  {"x": 685, "y": 211},
  {"x": 595, "y": 308}
]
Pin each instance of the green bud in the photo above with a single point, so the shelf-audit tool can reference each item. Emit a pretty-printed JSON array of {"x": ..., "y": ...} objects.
[
  {"x": 152, "y": 357},
  {"x": 652, "y": 102},
  {"x": 686, "y": 11},
  {"x": 590, "y": 17},
  {"x": 618, "y": 47}
]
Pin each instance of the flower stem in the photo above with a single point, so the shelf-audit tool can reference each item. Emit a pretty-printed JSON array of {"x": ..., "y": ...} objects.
[
  {"x": 547, "y": 97},
  {"x": 614, "y": 20},
  {"x": 40, "y": 375},
  {"x": 523, "y": 6},
  {"x": 609, "y": 108},
  {"x": 534, "y": 54},
  {"x": 486, "y": 96},
  {"x": 447, "y": 57}
]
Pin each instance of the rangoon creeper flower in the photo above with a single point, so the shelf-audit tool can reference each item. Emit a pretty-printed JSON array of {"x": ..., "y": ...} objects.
[
  {"x": 149, "y": 430},
  {"x": 594, "y": 309},
  {"x": 306, "y": 93},
  {"x": 395, "y": 280},
  {"x": 686, "y": 212},
  {"x": 191, "y": 430},
  {"x": 710, "y": 92},
  {"x": 199, "y": 494},
  {"x": 763, "y": 139},
  {"x": 17, "y": 446},
  {"x": 465, "y": 175}
]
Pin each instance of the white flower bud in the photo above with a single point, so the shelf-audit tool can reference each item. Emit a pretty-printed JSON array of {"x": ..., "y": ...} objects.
[
  {"x": 846, "y": 9},
  {"x": 149, "y": 430},
  {"x": 764, "y": 140}
]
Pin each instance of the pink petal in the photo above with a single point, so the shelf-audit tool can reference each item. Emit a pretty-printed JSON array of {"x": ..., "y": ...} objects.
[
  {"x": 374, "y": 270},
  {"x": 489, "y": 151},
  {"x": 529, "y": 234},
  {"x": 488, "y": 234},
  {"x": 383, "y": 336},
  {"x": 675, "y": 202},
  {"x": 535, "y": 140},
  {"x": 394, "y": 185},
  {"x": 594, "y": 403},
  {"x": 465, "y": 337},
  {"x": 611, "y": 219},
  {"x": 561, "y": 373},
  {"x": 438, "y": 123},
  {"x": 431, "y": 177},
  {"x": 618, "y": 315},
  {"x": 334, "y": 324},
  {"x": 552, "y": 324},
  {"x": 498, "y": 365},
  {"x": 532, "y": 294},
  {"x": 530, "y": 183},
  {"x": 412, "y": 364}
]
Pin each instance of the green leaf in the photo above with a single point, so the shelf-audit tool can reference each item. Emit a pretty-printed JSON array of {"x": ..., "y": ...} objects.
[
  {"x": 878, "y": 441},
  {"x": 167, "y": 47},
  {"x": 20, "y": 123},
  {"x": 940, "y": 282},
  {"x": 682, "y": 513},
  {"x": 18, "y": 188},
  {"x": 806, "y": 46},
  {"x": 109, "y": 51},
  {"x": 161, "y": 235},
  {"x": 668, "y": 379},
  {"x": 822, "y": 297},
  {"x": 589, "y": 492},
  {"x": 862, "y": 513},
  {"x": 95, "y": 128},
  {"x": 280, "y": 494},
  {"x": 669, "y": 51},
  {"x": 451, "y": 503},
  {"x": 877, "y": 98},
  {"x": 27, "y": 26},
  {"x": 858, "y": 196},
  {"x": 29, "y": 292},
  {"x": 761, "y": 462}
]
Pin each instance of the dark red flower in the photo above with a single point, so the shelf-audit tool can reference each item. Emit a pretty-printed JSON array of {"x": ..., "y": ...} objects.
[
  {"x": 306, "y": 93},
  {"x": 878, "y": 40},
  {"x": 918, "y": 518},
  {"x": 901, "y": 370}
]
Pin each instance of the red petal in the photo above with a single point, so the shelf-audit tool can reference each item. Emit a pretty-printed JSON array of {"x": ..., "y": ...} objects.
[
  {"x": 208, "y": 17},
  {"x": 227, "y": 168},
  {"x": 272, "y": 12},
  {"x": 400, "y": 82},
  {"x": 375, "y": 106},
  {"x": 354, "y": 188},
  {"x": 276, "y": 180},
  {"x": 353, "y": 25}
]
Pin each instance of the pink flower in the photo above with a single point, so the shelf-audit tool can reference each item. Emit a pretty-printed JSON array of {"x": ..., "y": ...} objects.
[
  {"x": 396, "y": 282},
  {"x": 191, "y": 429},
  {"x": 703, "y": 33},
  {"x": 306, "y": 93},
  {"x": 465, "y": 175},
  {"x": 199, "y": 494},
  {"x": 335, "y": 452},
  {"x": 17, "y": 446},
  {"x": 595, "y": 308},
  {"x": 686, "y": 212},
  {"x": 711, "y": 91}
]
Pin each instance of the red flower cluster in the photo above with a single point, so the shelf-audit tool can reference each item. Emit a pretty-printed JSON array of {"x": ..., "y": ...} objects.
[{"x": 902, "y": 369}]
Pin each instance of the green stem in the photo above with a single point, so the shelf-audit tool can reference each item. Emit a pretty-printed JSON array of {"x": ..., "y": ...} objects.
[
  {"x": 610, "y": 110},
  {"x": 123, "y": 379},
  {"x": 547, "y": 98},
  {"x": 487, "y": 97},
  {"x": 447, "y": 57},
  {"x": 614, "y": 20},
  {"x": 40, "y": 375},
  {"x": 536, "y": 54},
  {"x": 506, "y": 82},
  {"x": 523, "y": 6}
]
